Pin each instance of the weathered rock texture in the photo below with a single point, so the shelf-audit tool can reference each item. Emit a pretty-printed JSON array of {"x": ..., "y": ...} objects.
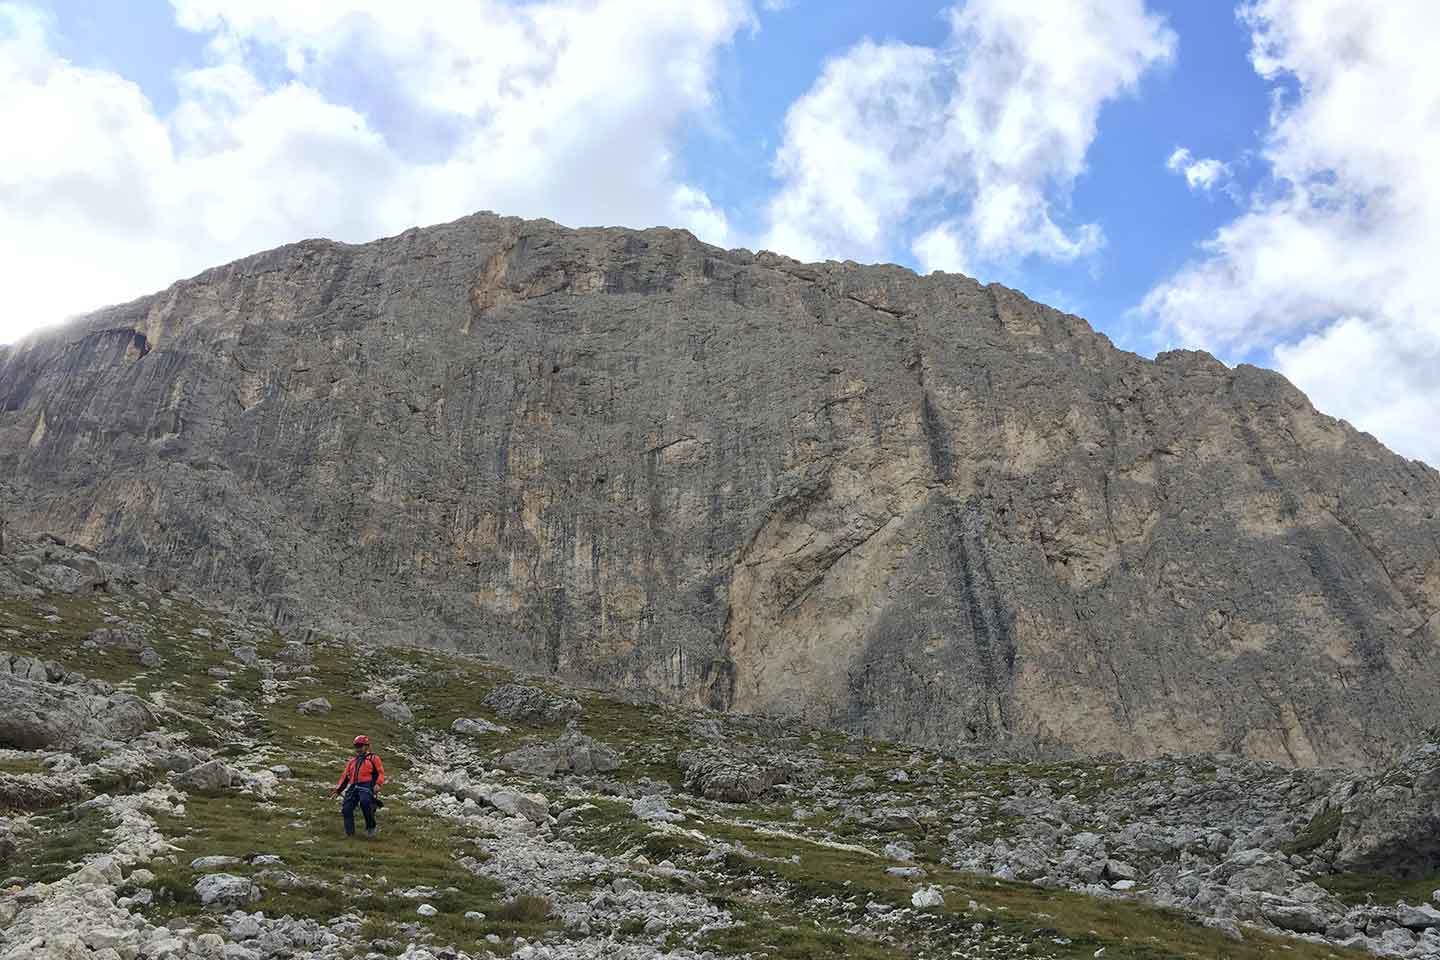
[
  {"x": 40, "y": 714},
  {"x": 921, "y": 508},
  {"x": 1390, "y": 822}
]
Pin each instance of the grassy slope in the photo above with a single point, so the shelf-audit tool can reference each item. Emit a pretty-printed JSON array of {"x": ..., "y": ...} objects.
[{"x": 332, "y": 874}]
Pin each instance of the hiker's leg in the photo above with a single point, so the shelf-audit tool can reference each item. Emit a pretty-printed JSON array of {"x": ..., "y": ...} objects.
[
  {"x": 367, "y": 807},
  {"x": 347, "y": 812}
]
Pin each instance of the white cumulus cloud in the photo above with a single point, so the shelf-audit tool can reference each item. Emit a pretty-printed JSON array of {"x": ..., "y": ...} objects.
[
  {"x": 1200, "y": 174},
  {"x": 569, "y": 109},
  {"x": 978, "y": 142},
  {"x": 1330, "y": 275},
  {"x": 940, "y": 249}
]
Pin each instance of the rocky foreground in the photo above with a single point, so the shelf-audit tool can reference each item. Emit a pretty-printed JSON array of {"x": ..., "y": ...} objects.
[{"x": 166, "y": 770}]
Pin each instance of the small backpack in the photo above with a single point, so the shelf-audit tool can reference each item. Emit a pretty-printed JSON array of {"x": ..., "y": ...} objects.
[{"x": 374, "y": 773}]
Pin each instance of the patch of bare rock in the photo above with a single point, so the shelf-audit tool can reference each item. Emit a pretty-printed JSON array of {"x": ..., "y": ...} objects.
[
  {"x": 519, "y": 703},
  {"x": 46, "y": 707},
  {"x": 573, "y": 752}
]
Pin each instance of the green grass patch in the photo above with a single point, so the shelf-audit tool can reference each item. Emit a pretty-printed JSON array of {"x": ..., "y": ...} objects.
[
  {"x": 338, "y": 874},
  {"x": 65, "y": 839},
  {"x": 1360, "y": 888},
  {"x": 526, "y": 909},
  {"x": 22, "y": 766},
  {"x": 789, "y": 936},
  {"x": 168, "y": 629},
  {"x": 325, "y": 873},
  {"x": 610, "y": 828},
  {"x": 1126, "y": 929}
]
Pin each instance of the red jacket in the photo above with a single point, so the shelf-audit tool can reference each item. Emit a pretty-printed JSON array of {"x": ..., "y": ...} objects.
[{"x": 363, "y": 769}]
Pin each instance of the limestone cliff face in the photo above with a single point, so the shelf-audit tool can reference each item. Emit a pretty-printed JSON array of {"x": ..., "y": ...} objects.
[{"x": 920, "y": 508}]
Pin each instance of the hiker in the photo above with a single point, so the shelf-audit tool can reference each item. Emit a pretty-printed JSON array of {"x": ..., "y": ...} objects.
[{"x": 360, "y": 783}]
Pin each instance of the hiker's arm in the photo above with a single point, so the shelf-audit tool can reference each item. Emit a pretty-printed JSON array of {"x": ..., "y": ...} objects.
[
  {"x": 379, "y": 773},
  {"x": 344, "y": 777}
]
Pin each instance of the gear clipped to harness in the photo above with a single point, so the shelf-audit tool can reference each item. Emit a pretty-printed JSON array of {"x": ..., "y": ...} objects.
[{"x": 360, "y": 785}]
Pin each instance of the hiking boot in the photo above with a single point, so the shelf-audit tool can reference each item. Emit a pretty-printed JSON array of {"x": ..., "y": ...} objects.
[{"x": 372, "y": 832}]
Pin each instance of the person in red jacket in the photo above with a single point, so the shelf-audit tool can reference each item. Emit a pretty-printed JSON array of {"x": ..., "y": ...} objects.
[{"x": 360, "y": 783}]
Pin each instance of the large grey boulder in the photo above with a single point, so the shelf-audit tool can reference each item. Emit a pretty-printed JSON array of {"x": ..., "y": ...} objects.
[
  {"x": 717, "y": 775},
  {"x": 519, "y": 703},
  {"x": 117, "y": 637},
  {"x": 51, "y": 566},
  {"x": 1390, "y": 822},
  {"x": 655, "y": 808},
  {"x": 1119, "y": 870},
  {"x": 30, "y": 668},
  {"x": 531, "y": 806},
  {"x": 1423, "y": 917},
  {"x": 395, "y": 711},
  {"x": 211, "y": 777},
  {"x": 40, "y": 715},
  {"x": 927, "y": 898},
  {"x": 476, "y": 727},
  {"x": 573, "y": 752},
  {"x": 226, "y": 890},
  {"x": 1024, "y": 861},
  {"x": 454, "y": 782},
  {"x": 103, "y": 871},
  {"x": 918, "y": 507},
  {"x": 1258, "y": 870},
  {"x": 1296, "y": 917},
  {"x": 517, "y": 803}
]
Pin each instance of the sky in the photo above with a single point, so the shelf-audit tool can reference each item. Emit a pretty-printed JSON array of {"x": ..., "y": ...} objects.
[{"x": 1255, "y": 179}]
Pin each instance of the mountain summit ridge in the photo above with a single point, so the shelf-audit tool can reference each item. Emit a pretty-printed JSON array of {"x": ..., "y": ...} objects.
[{"x": 912, "y": 507}]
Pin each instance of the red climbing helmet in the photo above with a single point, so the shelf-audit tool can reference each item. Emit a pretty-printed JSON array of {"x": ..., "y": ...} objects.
[{"x": 362, "y": 741}]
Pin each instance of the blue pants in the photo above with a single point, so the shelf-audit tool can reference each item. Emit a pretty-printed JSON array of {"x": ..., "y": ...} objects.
[{"x": 364, "y": 798}]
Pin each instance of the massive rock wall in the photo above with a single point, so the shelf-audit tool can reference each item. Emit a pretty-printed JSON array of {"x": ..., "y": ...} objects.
[{"x": 920, "y": 508}]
